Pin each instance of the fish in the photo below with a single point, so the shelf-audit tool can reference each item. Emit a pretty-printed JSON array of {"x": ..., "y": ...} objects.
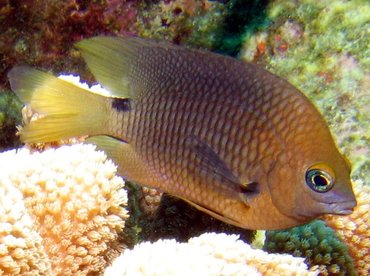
[{"x": 230, "y": 138}]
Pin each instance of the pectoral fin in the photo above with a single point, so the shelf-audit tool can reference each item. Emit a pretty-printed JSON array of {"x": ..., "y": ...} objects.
[
  {"x": 209, "y": 164},
  {"x": 248, "y": 191}
]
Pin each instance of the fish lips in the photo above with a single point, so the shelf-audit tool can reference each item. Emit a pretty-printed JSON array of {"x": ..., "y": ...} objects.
[
  {"x": 340, "y": 208},
  {"x": 333, "y": 208}
]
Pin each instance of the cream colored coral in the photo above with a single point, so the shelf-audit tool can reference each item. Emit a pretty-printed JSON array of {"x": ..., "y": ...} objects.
[
  {"x": 71, "y": 202},
  {"x": 207, "y": 255},
  {"x": 21, "y": 249},
  {"x": 354, "y": 229}
]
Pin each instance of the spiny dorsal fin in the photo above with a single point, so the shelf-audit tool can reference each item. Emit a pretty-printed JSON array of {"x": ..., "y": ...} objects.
[{"x": 111, "y": 59}]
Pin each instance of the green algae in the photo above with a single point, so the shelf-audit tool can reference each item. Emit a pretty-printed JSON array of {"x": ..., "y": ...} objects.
[
  {"x": 243, "y": 18},
  {"x": 10, "y": 117},
  {"x": 212, "y": 25},
  {"x": 191, "y": 22},
  {"x": 226, "y": 28}
]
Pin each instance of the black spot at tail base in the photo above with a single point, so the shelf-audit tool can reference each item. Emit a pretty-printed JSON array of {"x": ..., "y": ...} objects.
[{"x": 121, "y": 105}]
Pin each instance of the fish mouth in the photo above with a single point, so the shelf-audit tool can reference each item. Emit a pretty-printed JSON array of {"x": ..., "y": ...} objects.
[{"x": 341, "y": 208}]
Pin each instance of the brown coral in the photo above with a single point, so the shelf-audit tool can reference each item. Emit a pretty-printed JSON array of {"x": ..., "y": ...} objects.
[
  {"x": 150, "y": 200},
  {"x": 354, "y": 229},
  {"x": 42, "y": 33},
  {"x": 74, "y": 203},
  {"x": 176, "y": 20}
]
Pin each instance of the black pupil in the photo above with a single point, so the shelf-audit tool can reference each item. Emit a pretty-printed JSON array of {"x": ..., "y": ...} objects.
[{"x": 320, "y": 180}]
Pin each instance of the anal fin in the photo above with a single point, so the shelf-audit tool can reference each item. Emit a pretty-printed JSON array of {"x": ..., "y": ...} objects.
[
  {"x": 130, "y": 165},
  {"x": 212, "y": 213}
]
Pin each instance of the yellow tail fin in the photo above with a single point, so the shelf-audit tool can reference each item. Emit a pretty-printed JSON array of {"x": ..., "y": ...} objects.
[{"x": 66, "y": 110}]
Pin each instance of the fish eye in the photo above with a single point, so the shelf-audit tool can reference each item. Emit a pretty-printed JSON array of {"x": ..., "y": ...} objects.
[{"x": 319, "y": 180}]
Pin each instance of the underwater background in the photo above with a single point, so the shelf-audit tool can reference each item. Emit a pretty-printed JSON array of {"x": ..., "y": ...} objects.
[{"x": 321, "y": 47}]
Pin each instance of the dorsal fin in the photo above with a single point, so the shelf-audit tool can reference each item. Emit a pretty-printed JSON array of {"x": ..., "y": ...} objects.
[{"x": 110, "y": 59}]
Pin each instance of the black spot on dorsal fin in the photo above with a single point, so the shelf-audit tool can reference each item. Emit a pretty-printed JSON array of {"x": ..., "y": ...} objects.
[{"x": 121, "y": 104}]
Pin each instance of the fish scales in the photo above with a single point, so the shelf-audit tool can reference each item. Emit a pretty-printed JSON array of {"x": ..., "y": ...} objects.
[
  {"x": 230, "y": 138},
  {"x": 211, "y": 108}
]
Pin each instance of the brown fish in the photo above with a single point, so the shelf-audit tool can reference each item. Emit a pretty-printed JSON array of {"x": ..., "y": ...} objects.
[{"x": 234, "y": 140}]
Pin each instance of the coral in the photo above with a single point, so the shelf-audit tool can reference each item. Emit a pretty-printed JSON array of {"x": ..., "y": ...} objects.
[
  {"x": 322, "y": 48},
  {"x": 9, "y": 117},
  {"x": 242, "y": 19},
  {"x": 71, "y": 205},
  {"x": 259, "y": 239},
  {"x": 214, "y": 25},
  {"x": 150, "y": 201},
  {"x": 208, "y": 254},
  {"x": 354, "y": 229},
  {"x": 177, "y": 20},
  {"x": 317, "y": 243},
  {"x": 42, "y": 33},
  {"x": 21, "y": 249}
]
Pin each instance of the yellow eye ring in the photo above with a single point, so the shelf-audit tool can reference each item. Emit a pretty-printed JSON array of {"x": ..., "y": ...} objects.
[{"x": 319, "y": 179}]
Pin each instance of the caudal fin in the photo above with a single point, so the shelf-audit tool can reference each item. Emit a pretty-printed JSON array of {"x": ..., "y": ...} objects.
[{"x": 66, "y": 110}]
